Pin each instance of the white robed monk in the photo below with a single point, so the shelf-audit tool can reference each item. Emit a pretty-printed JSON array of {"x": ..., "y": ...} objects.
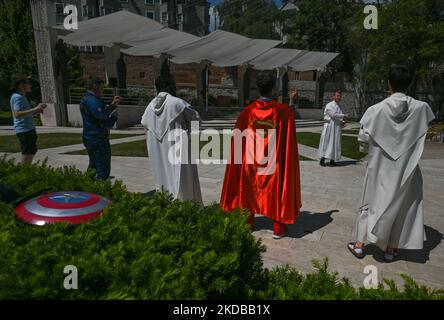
[
  {"x": 331, "y": 137},
  {"x": 393, "y": 133},
  {"x": 164, "y": 114}
]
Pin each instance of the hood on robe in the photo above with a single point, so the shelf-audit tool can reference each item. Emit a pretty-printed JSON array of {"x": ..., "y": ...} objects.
[
  {"x": 161, "y": 112},
  {"x": 397, "y": 123}
]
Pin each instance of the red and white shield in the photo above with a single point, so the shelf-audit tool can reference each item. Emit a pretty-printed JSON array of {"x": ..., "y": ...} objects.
[{"x": 70, "y": 206}]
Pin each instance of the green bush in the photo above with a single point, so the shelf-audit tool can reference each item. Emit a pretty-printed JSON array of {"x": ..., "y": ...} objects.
[
  {"x": 150, "y": 248},
  {"x": 144, "y": 248}
]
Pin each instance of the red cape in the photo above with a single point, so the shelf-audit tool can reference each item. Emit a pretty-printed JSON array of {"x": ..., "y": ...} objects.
[{"x": 277, "y": 195}]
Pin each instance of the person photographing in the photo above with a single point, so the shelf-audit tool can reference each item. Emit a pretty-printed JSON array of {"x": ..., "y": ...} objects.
[
  {"x": 23, "y": 115},
  {"x": 98, "y": 119}
]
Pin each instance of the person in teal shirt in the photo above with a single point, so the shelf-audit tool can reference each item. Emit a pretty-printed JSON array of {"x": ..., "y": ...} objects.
[{"x": 23, "y": 114}]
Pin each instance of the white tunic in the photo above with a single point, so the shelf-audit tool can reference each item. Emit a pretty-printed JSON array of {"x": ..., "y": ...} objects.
[
  {"x": 393, "y": 133},
  {"x": 330, "y": 144},
  {"x": 164, "y": 114}
]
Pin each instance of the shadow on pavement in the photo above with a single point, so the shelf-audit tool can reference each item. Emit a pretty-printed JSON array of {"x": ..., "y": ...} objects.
[
  {"x": 346, "y": 163},
  {"x": 307, "y": 223},
  {"x": 434, "y": 238}
]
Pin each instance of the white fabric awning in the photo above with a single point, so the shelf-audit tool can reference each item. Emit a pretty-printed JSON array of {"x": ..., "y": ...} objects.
[
  {"x": 223, "y": 49},
  {"x": 158, "y": 42},
  {"x": 297, "y": 60},
  {"x": 312, "y": 60},
  {"x": 119, "y": 27},
  {"x": 141, "y": 36},
  {"x": 275, "y": 58}
]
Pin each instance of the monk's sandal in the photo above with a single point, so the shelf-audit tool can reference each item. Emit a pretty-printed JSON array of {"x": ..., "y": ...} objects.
[
  {"x": 357, "y": 252},
  {"x": 390, "y": 256}
]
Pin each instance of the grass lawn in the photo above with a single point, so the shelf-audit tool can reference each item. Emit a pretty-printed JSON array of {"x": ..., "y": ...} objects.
[
  {"x": 139, "y": 149},
  {"x": 49, "y": 140},
  {"x": 350, "y": 146},
  {"x": 350, "y": 131}
]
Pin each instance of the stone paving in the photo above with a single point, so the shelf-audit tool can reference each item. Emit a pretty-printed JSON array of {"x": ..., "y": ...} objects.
[{"x": 330, "y": 199}]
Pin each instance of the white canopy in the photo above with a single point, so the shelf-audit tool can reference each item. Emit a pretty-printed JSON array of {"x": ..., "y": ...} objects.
[
  {"x": 141, "y": 36},
  {"x": 312, "y": 60},
  {"x": 158, "y": 42},
  {"x": 275, "y": 58},
  {"x": 223, "y": 49},
  {"x": 119, "y": 27},
  {"x": 297, "y": 60}
]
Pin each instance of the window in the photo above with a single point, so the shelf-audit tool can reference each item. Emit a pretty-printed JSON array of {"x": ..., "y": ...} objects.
[
  {"x": 142, "y": 75},
  {"x": 59, "y": 7},
  {"x": 60, "y": 15},
  {"x": 150, "y": 2},
  {"x": 164, "y": 16},
  {"x": 179, "y": 18},
  {"x": 85, "y": 11},
  {"x": 150, "y": 14}
]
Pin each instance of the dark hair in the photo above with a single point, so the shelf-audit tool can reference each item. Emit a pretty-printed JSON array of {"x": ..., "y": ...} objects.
[
  {"x": 92, "y": 81},
  {"x": 400, "y": 77},
  {"x": 18, "y": 80},
  {"x": 165, "y": 82},
  {"x": 265, "y": 81},
  {"x": 338, "y": 91}
]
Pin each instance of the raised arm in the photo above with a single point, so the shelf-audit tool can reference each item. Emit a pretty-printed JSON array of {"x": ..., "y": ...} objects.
[
  {"x": 18, "y": 105},
  {"x": 364, "y": 140},
  {"x": 105, "y": 115},
  {"x": 335, "y": 115}
]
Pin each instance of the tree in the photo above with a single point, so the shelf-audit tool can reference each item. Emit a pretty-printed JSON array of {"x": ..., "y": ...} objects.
[
  {"x": 17, "y": 47},
  {"x": 321, "y": 25},
  {"x": 410, "y": 32},
  {"x": 251, "y": 18}
]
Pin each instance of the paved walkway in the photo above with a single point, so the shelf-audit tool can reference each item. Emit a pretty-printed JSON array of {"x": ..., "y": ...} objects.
[{"x": 330, "y": 200}]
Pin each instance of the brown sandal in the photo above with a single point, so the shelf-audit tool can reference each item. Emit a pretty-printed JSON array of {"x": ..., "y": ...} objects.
[{"x": 352, "y": 248}]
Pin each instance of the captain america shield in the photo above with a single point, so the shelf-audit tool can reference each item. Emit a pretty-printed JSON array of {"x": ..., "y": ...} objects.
[{"x": 70, "y": 206}]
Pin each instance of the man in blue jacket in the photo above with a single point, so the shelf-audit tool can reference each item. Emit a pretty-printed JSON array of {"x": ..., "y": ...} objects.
[{"x": 98, "y": 119}]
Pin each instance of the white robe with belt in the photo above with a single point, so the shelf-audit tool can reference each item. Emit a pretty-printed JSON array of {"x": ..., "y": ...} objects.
[
  {"x": 164, "y": 114},
  {"x": 330, "y": 144},
  {"x": 393, "y": 133}
]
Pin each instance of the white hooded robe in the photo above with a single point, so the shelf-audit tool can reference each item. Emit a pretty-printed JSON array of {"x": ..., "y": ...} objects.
[
  {"x": 331, "y": 137},
  {"x": 164, "y": 114},
  {"x": 393, "y": 133}
]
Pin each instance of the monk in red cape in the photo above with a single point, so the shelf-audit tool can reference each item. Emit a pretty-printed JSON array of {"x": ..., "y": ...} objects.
[{"x": 271, "y": 189}]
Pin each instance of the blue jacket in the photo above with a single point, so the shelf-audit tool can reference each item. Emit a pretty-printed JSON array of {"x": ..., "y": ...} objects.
[{"x": 98, "y": 118}]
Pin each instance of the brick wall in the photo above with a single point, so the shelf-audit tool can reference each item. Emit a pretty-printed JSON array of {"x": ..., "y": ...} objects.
[
  {"x": 93, "y": 65},
  {"x": 141, "y": 71}
]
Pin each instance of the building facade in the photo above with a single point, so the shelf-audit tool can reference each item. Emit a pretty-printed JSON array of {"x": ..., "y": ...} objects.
[{"x": 190, "y": 16}]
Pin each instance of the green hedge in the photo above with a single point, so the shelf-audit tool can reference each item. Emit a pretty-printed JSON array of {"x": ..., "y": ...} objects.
[{"x": 149, "y": 248}]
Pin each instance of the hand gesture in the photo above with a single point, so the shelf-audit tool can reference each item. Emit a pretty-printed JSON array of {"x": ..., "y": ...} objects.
[
  {"x": 40, "y": 107},
  {"x": 117, "y": 100},
  {"x": 293, "y": 94}
]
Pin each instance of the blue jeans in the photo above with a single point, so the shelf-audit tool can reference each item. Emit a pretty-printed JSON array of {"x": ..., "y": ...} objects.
[{"x": 99, "y": 152}]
